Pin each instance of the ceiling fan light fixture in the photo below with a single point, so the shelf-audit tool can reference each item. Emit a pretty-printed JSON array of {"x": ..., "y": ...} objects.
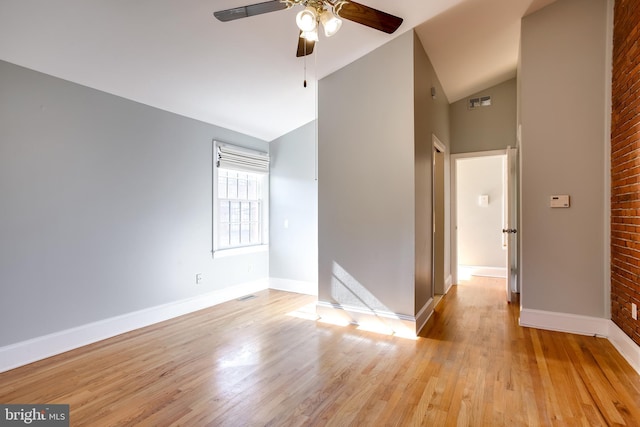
[
  {"x": 307, "y": 19},
  {"x": 330, "y": 23},
  {"x": 311, "y": 36},
  {"x": 329, "y": 13}
]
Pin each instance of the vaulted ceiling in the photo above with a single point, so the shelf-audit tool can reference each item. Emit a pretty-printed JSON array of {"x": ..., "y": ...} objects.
[{"x": 243, "y": 75}]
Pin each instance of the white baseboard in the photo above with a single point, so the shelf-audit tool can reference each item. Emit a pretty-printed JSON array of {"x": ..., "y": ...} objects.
[
  {"x": 584, "y": 325},
  {"x": 22, "y": 353},
  {"x": 466, "y": 271},
  {"x": 425, "y": 312},
  {"x": 447, "y": 284},
  {"x": 625, "y": 346},
  {"x": 563, "y": 322},
  {"x": 373, "y": 320},
  {"x": 297, "y": 286}
]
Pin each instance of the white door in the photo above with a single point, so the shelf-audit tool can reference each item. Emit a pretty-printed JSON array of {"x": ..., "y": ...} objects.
[{"x": 511, "y": 228}]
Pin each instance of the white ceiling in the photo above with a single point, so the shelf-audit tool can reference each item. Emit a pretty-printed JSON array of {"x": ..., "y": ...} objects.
[{"x": 243, "y": 75}]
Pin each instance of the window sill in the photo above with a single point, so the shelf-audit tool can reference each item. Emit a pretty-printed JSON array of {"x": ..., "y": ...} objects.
[{"x": 222, "y": 253}]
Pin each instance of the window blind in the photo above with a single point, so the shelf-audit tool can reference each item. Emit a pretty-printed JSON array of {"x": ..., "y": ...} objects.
[{"x": 238, "y": 158}]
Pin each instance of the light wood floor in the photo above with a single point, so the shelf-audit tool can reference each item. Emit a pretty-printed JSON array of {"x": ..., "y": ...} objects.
[{"x": 250, "y": 363}]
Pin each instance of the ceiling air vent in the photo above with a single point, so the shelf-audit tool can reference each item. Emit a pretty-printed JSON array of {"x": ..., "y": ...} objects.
[{"x": 482, "y": 101}]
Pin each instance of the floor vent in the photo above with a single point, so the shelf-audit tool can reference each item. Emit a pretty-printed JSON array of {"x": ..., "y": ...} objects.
[{"x": 246, "y": 297}]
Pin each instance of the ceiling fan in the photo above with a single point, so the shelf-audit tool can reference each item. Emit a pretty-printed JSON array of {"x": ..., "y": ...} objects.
[{"x": 315, "y": 13}]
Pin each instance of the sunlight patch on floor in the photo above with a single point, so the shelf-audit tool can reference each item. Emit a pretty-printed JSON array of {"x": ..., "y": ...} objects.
[
  {"x": 376, "y": 327},
  {"x": 308, "y": 312},
  {"x": 334, "y": 321}
]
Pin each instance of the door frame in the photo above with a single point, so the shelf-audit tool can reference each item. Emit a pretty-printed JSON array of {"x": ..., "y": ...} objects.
[
  {"x": 512, "y": 220},
  {"x": 454, "y": 208},
  {"x": 438, "y": 147}
]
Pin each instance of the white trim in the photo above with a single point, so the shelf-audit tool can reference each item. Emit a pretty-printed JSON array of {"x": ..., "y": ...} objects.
[
  {"x": 384, "y": 321},
  {"x": 564, "y": 322},
  {"x": 297, "y": 286},
  {"x": 584, "y": 325},
  {"x": 453, "y": 206},
  {"x": 222, "y": 253},
  {"x": 22, "y": 353},
  {"x": 453, "y": 219},
  {"x": 447, "y": 284},
  {"x": 363, "y": 310},
  {"x": 438, "y": 144},
  {"x": 625, "y": 346},
  {"x": 439, "y": 147},
  {"x": 606, "y": 203},
  {"x": 424, "y": 314},
  {"x": 465, "y": 271},
  {"x": 521, "y": 228},
  {"x": 488, "y": 153}
]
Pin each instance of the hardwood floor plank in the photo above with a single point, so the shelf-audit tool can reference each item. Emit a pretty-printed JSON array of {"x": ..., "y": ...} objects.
[{"x": 253, "y": 363}]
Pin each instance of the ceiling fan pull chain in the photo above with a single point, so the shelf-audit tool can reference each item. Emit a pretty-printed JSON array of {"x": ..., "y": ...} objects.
[{"x": 305, "y": 63}]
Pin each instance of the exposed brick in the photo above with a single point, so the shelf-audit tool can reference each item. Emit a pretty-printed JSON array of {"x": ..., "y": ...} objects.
[{"x": 625, "y": 167}]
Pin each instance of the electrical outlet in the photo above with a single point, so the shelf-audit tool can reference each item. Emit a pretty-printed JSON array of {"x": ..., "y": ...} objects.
[
  {"x": 198, "y": 278},
  {"x": 634, "y": 311}
]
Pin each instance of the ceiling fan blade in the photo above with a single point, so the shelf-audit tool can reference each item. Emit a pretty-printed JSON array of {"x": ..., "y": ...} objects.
[
  {"x": 366, "y": 15},
  {"x": 301, "y": 46},
  {"x": 251, "y": 10}
]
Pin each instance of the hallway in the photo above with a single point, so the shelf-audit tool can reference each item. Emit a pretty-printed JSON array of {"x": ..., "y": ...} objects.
[{"x": 266, "y": 361}]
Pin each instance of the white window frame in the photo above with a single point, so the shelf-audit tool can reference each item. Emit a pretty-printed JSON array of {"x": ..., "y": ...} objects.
[{"x": 218, "y": 250}]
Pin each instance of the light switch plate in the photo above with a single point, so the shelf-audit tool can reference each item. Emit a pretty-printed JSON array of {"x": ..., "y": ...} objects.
[{"x": 559, "y": 201}]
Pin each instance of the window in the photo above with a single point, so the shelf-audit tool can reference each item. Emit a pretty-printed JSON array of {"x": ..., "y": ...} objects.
[
  {"x": 240, "y": 211},
  {"x": 239, "y": 208}
]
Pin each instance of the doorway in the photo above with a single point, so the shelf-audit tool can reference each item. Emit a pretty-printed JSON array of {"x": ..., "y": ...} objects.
[{"x": 479, "y": 216}]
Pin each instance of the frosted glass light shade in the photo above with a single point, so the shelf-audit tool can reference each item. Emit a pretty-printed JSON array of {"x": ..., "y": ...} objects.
[
  {"x": 330, "y": 22},
  {"x": 311, "y": 36},
  {"x": 307, "y": 19}
]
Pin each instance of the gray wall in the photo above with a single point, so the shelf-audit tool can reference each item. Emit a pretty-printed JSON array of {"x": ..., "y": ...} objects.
[
  {"x": 563, "y": 145},
  {"x": 485, "y": 128},
  {"x": 366, "y": 220},
  {"x": 376, "y": 121},
  {"x": 293, "y": 247},
  {"x": 106, "y": 206},
  {"x": 431, "y": 116}
]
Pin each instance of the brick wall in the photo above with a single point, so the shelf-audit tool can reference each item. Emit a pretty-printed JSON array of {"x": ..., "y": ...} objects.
[{"x": 625, "y": 167}]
